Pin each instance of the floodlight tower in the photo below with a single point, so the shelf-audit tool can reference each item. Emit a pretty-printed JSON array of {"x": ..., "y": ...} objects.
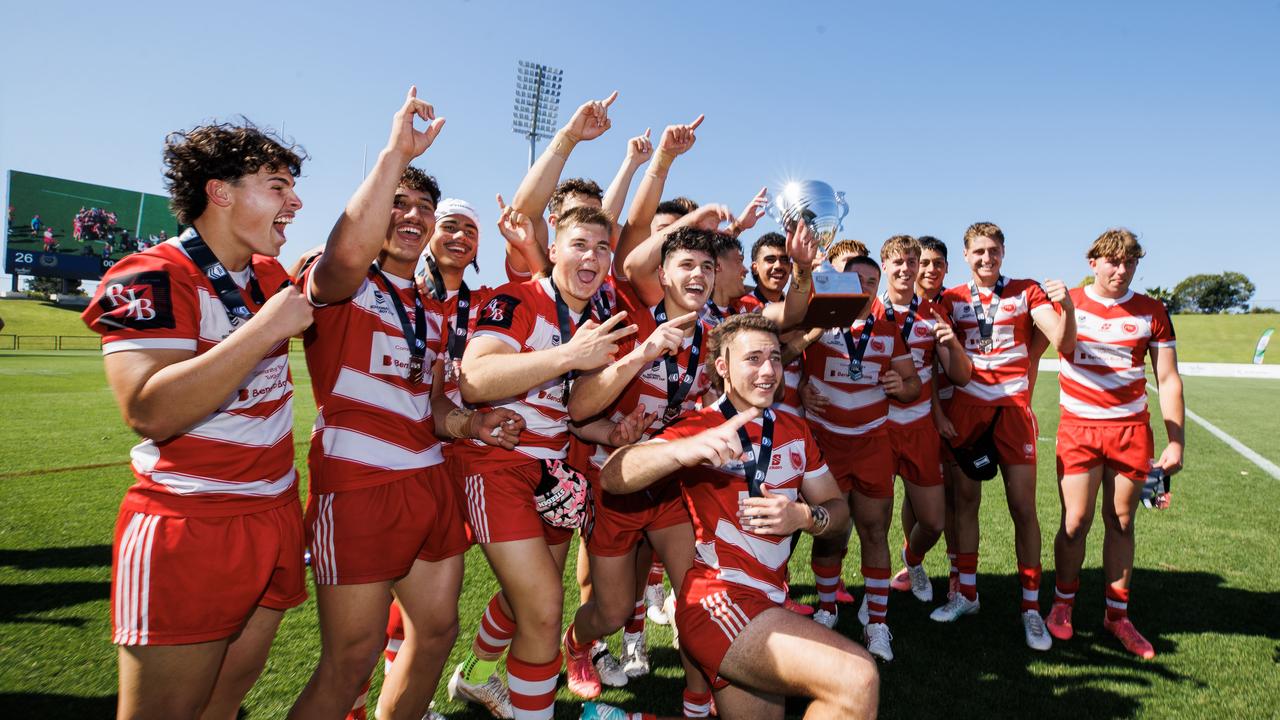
[{"x": 537, "y": 103}]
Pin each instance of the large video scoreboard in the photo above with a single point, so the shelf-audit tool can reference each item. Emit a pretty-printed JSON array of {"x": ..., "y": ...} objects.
[{"x": 70, "y": 229}]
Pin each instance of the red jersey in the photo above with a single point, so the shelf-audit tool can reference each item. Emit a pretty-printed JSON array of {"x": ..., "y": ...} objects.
[
  {"x": 374, "y": 424},
  {"x": 523, "y": 315},
  {"x": 922, "y": 343},
  {"x": 858, "y": 407},
  {"x": 714, "y": 314},
  {"x": 238, "y": 459},
  {"x": 734, "y": 553},
  {"x": 649, "y": 386},
  {"x": 999, "y": 374},
  {"x": 1104, "y": 381}
]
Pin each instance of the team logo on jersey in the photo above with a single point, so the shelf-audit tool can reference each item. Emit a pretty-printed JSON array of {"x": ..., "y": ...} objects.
[
  {"x": 141, "y": 301},
  {"x": 920, "y": 331},
  {"x": 796, "y": 460},
  {"x": 498, "y": 312},
  {"x": 1130, "y": 328},
  {"x": 1008, "y": 307},
  {"x": 877, "y": 345}
]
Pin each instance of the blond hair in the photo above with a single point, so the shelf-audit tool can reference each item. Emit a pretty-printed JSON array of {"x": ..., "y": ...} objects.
[
  {"x": 900, "y": 245},
  {"x": 983, "y": 229},
  {"x": 1116, "y": 243}
]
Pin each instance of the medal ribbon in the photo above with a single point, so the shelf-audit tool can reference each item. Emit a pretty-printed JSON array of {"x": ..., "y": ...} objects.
[
  {"x": 677, "y": 387},
  {"x": 986, "y": 320},
  {"x": 753, "y": 470},
  {"x": 566, "y": 331},
  {"x": 220, "y": 278},
  {"x": 415, "y": 335},
  {"x": 856, "y": 353},
  {"x": 908, "y": 322},
  {"x": 462, "y": 318}
]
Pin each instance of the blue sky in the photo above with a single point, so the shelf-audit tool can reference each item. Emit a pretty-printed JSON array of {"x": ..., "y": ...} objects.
[{"x": 1054, "y": 120}]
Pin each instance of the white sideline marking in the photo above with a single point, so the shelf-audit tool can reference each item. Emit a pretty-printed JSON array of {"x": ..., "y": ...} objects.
[
  {"x": 1271, "y": 468},
  {"x": 1192, "y": 369}
]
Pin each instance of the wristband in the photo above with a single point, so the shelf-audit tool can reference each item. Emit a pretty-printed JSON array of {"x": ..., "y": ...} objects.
[
  {"x": 457, "y": 423},
  {"x": 821, "y": 519},
  {"x": 563, "y": 144},
  {"x": 661, "y": 160}
]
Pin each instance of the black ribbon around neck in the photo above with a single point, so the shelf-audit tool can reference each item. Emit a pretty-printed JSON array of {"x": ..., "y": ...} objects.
[
  {"x": 753, "y": 469},
  {"x": 220, "y": 277}
]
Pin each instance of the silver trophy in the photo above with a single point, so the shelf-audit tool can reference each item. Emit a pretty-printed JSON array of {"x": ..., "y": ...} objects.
[{"x": 838, "y": 296}]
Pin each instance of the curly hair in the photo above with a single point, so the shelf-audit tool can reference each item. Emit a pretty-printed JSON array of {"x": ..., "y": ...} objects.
[
  {"x": 221, "y": 151},
  {"x": 415, "y": 179},
  {"x": 573, "y": 186},
  {"x": 692, "y": 239}
]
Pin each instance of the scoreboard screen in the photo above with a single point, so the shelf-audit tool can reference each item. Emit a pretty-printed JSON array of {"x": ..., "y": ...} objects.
[{"x": 70, "y": 229}]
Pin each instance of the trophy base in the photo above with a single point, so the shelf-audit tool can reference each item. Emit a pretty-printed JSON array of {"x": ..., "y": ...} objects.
[{"x": 834, "y": 310}]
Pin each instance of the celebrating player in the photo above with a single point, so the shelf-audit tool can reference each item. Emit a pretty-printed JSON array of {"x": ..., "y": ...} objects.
[
  {"x": 746, "y": 508},
  {"x": 208, "y": 543},
  {"x": 384, "y": 517},
  {"x": 1104, "y": 438},
  {"x": 996, "y": 316}
]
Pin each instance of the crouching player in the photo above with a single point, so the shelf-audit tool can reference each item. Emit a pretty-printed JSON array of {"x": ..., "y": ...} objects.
[
  {"x": 1105, "y": 439},
  {"x": 208, "y": 543},
  {"x": 745, "y": 508}
]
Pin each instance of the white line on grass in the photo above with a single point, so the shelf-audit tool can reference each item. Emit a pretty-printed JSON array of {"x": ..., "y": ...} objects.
[{"x": 1271, "y": 468}]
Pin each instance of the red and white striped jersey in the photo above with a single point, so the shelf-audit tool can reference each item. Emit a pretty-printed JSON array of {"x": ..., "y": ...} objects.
[
  {"x": 374, "y": 425},
  {"x": 1000, "y": 375},
  {"x": 858, "y": 407},
  {"x": 792, "y": 376},
  {"x": 1104, "y": 381},
  {"x": 649, "y": 386},
  {"x": 523, "y": 315},
  {"x": 734, "y": 553},
  {"x": 238, "y": 459},
  {"x": 923, "y": 346}
]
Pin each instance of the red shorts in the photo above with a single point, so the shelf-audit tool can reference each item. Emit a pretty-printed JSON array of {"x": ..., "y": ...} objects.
[
  {"x": 621, "y": 520},
  {"x": 859, "y": 462},
  {"x": 710, "y": 614},
  {"x": 376, "y": 533},
  {"x": 500, "y": 506},
  {"x": 917, "y": 453},
  {"x": 181, "y": 580},
  {"x": 1127, "y": 449},
  {"x": 1016, "y": 430}
]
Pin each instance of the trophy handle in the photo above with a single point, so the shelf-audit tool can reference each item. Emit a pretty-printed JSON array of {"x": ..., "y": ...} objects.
[
  {"x": 843, "y": 204},
  {"x": 773, "y": 207}
]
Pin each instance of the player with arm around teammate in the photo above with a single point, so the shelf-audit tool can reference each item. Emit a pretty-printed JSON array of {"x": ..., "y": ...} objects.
[
  {"x": 995, "y": 317},
  {"x": 746, "y": 507},
  {"x": 1104, "y": 437},
  {"x": 208, "y": 545}
]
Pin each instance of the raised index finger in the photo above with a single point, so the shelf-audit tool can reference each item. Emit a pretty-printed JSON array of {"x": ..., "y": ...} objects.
[
  {"x": 612, "y": 322},
  {"x": 696, "y": 122},
  {"x": 609, "y": 100},
  {"x": 736, "y": 422},
  {"x": 683, "y": 320}
]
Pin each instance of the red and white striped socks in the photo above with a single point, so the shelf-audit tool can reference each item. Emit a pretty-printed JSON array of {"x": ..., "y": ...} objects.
[
  {"x": 697, "y": 705},
  {"x": 967, "y": 570},
  {"x": 827, "y": 580},
  {"x": 636, "y": 623},
  {"x": 1029, "y": 578},
  {"x": 1065, "y": 593},
  {"x": 1117, "y": 603},
  {"x": 533, "y": 687},
  {"x": 877, "y": 589}
]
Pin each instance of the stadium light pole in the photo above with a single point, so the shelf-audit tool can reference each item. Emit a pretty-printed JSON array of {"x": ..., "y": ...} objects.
[{"x": 537, "y": 103}]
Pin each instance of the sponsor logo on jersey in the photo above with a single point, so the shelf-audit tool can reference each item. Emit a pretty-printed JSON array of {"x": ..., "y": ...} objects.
[
  {"x": 1008, "y": 307},
  {"x": 499, "y": 312},
  {"x": 1130, "y": 328},
  {"x": 877, "y": 345}
]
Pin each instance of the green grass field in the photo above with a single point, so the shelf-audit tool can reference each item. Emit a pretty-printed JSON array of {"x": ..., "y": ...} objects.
[{"x": 1206, "y": 588}]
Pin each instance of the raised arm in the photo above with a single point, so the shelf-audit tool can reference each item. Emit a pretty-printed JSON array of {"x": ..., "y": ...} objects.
[
  {"x": 356, "y": 239},
  {"x": 675, "y": 141},
  {"x": 1172, "y": 407},
  {"x": 802, "y": 247},
  {"x": 595, "y": 392},
  {"x": 589, "y": 122},
  {"x": 154, "y": 387},
  {"x": 635, "y": 467},
  {"x": 493, "y": 370},
  {"x": 517, "y": 229},
  {"x": 639, "y": 149},
  {"x": 1060, "y": 329},
  {"x": 641, "y": 266}
]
